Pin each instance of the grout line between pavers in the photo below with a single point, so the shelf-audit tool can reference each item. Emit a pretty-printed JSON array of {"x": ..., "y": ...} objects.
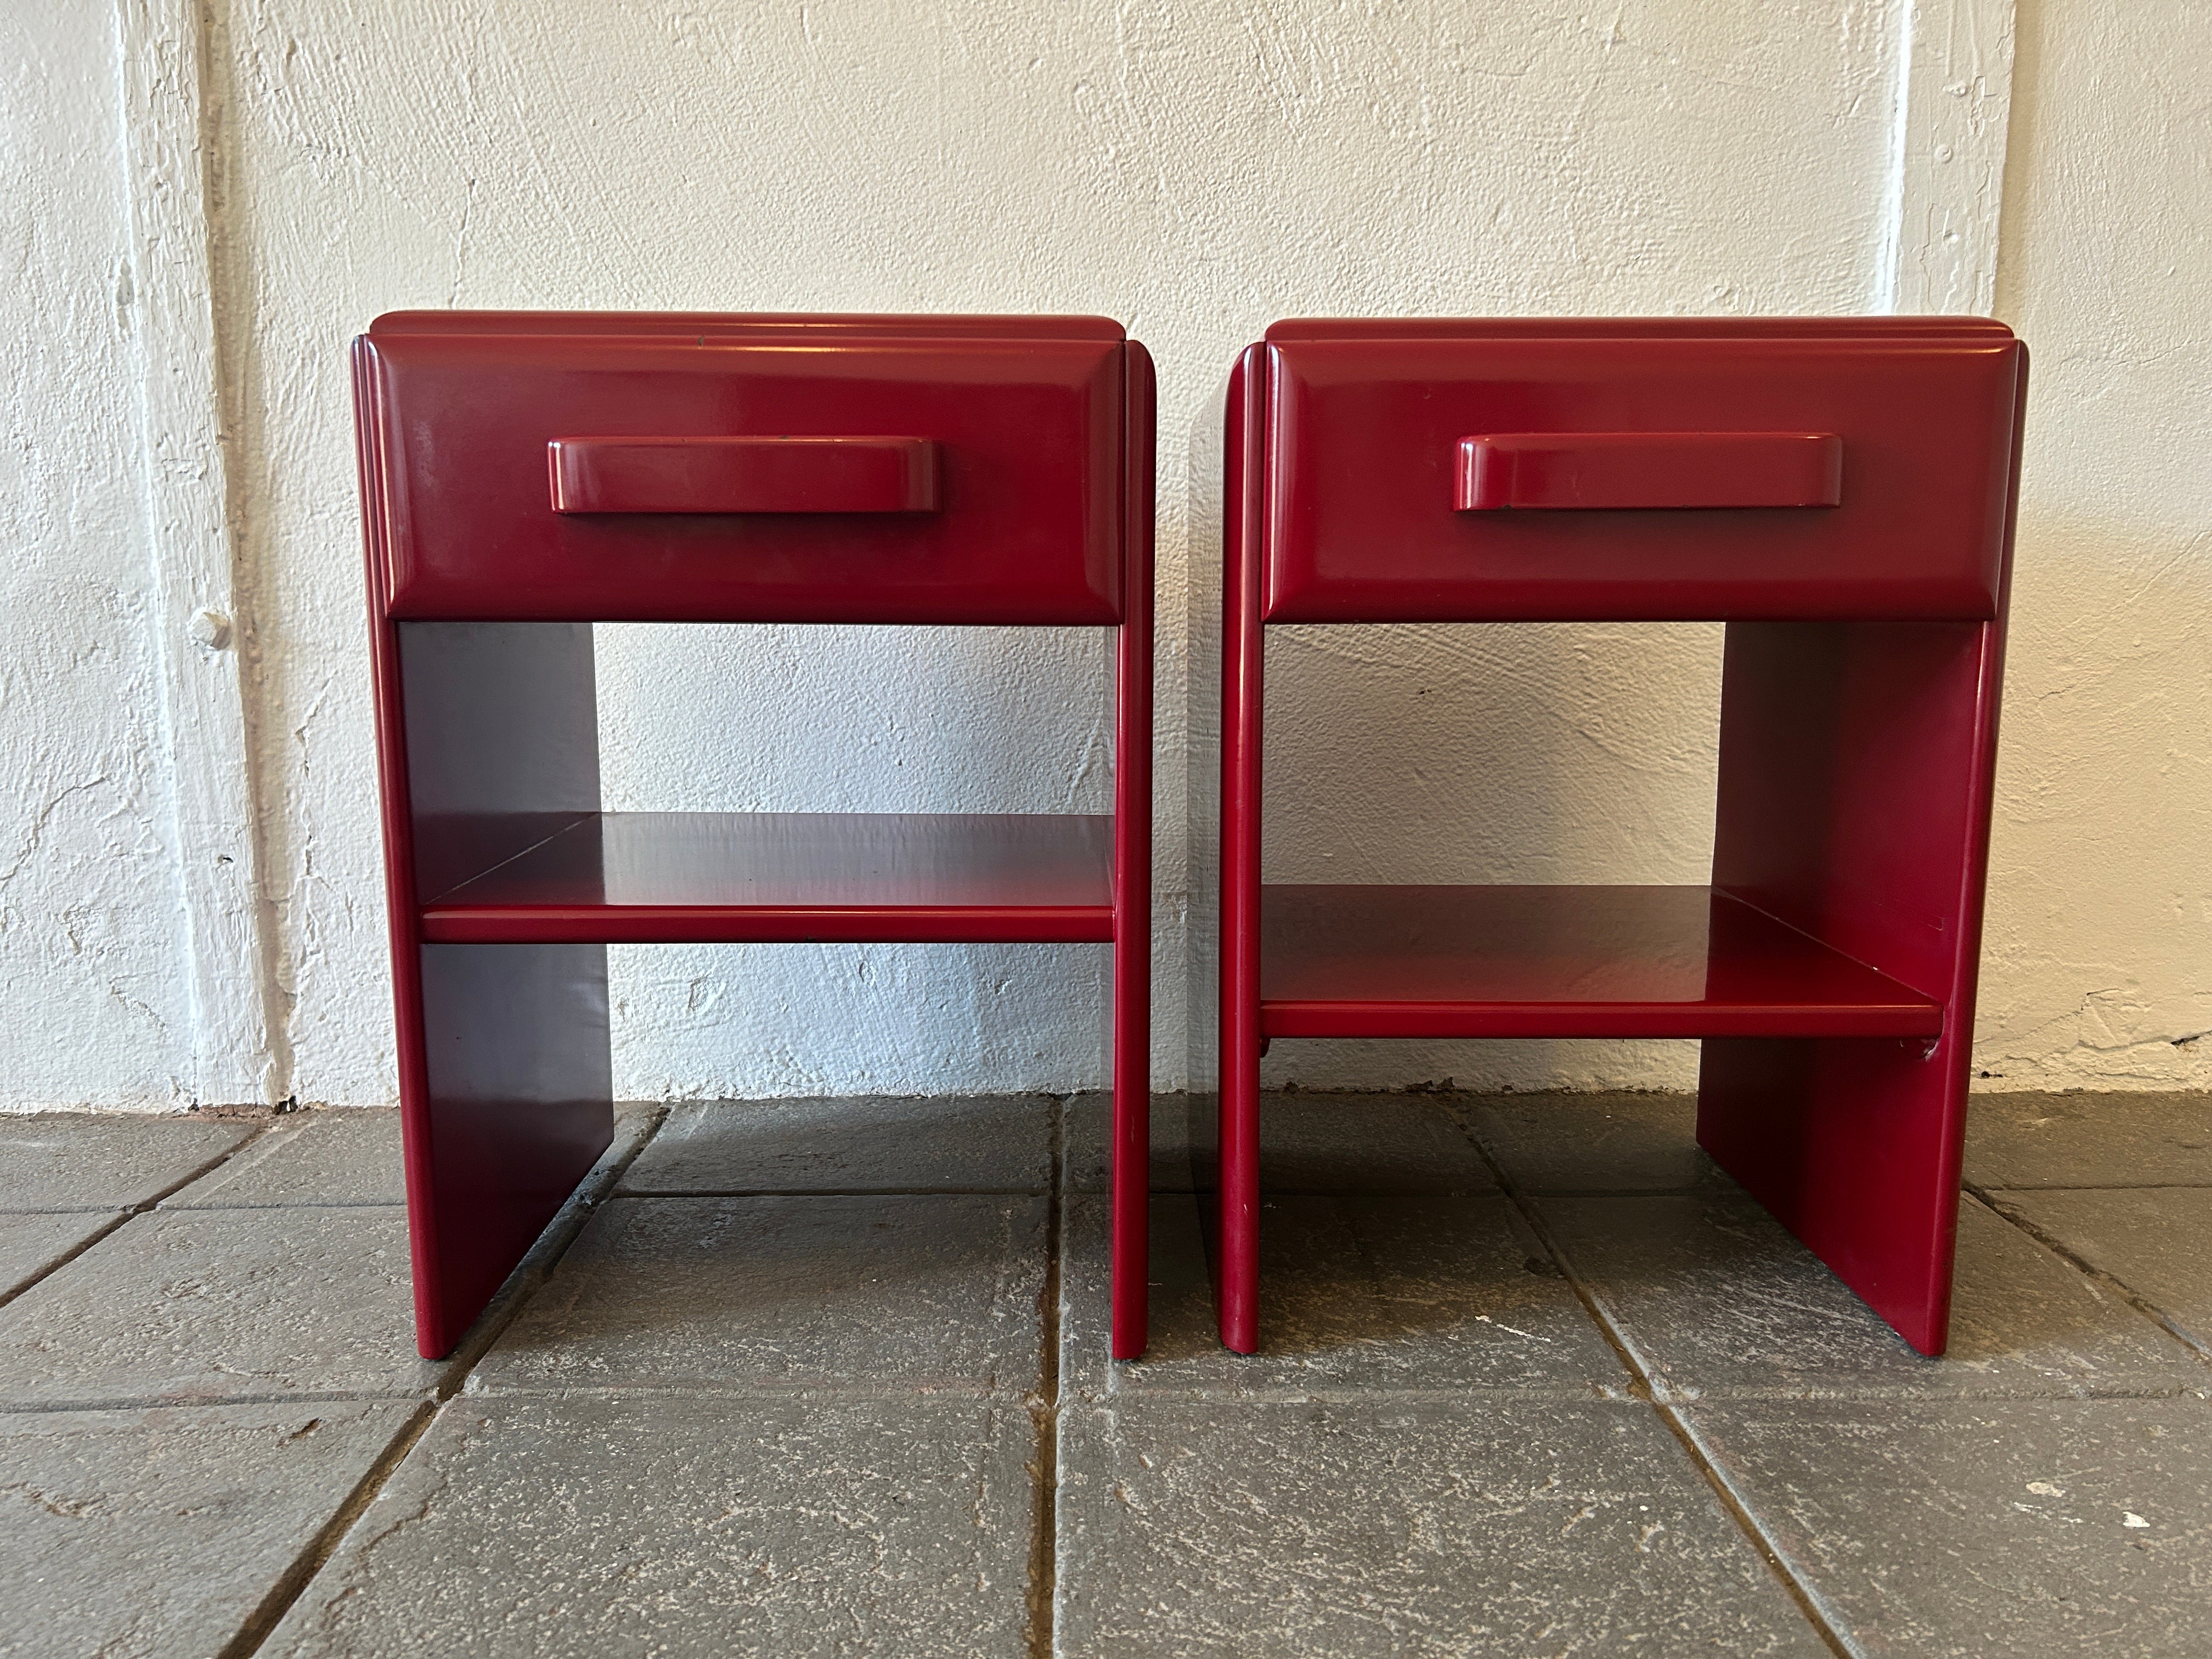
[
  {"x": 981, "y": 1394},
  {"x": 132, "y": 1212},
  {"x": 1631, "y": 1388},
  {"x": 1808, "y": 1599},
  {"x": 1799, "y": 1591},
  {"x": 1044, "y": 1538},
  {"x": 304, "y": 1566},
  {"x": 1978, "y": 1188},
  {"x": 1708, "y": 1191},
  {"x": 141, "y": 1402},
  {"x": 1348, "y": 1394},
  {"x": 1152, "y": 1393},
  {"x": 1642, "y": 1386},
  {"x": 288, "y": 1204},
  {"x": 536, "y": 1267},
  {"x": 837, "y": 1192},
  {"x": 538, "y": 1262},
  {"x": 1991, "y": 1198}
]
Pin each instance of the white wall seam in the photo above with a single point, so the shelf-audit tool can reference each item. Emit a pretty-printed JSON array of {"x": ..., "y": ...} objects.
[
  {"x": 197, "y": 633},
  {"x": 1947, "y": 178}
]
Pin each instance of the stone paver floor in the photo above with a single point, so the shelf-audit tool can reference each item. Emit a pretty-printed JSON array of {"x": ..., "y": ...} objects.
[{"x": 830, "y": 1377}]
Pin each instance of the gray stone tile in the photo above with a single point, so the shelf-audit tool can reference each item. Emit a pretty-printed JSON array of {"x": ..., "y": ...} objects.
[
  {"x": 2089, "y": 1141},
  {"x": 1607, "y": 1143},
  {"x": 29, "y": 1244},
  {"x": 190, "y": 1306},
  {"x": 104, "y": 1161},
  {"x": 1497, "y": 1526},
  {"x": 205, "y": 1305},
  {"x": 1713, "y": 1295},
  {"x": 345, "y": 1155},
  {"x": 1087, "y": 1140},
  {"x": 779, "y": 1293},
  {"x": 332, "y": 1155},
  {"x": 998, "y": 1143},
  {"x": 2157, "y": 1242},
  {"x": 689, "y": 1524},
  {"x": 1308, "y": 1142},
  {"x": 1985, "y": 1527},
  {"x": 159, "y": 1532},
  {"x": 1358, "y": 1295}
]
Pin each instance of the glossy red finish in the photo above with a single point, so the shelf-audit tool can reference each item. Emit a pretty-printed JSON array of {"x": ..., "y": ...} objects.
[
  {"x": 1865, "y": 329},
  {"x": 1582, "y": 471},
  {"x": 743, "y": 475},
  {"x": 506, "y": 1085},
  {"x": 819, "y": 328},
  {"x": 1559, "y": 962},
  {"x": 515, "y": 1104},
  {"x": 1132, "y": 1169},
  {"x": 1244, "y": 458},
  {"x": 1364, "y": 434},
  {"x": 726, "y": 878},
  {"x": 712, "y": 468},
  {"x": 1830, "y": 968},
  {"x": 1027, "y": 430},
  {"x": 1854, "y": 789}
]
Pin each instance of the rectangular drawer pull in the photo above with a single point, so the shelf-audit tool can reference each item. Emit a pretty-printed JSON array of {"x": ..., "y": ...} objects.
[
  {"x": 743, "y": 475},
  {"x": 1630, "y": 470}
]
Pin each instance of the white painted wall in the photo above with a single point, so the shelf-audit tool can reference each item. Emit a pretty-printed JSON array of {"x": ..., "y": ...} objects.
[
  {"x": 93, "y": 946},
  {"x": 1195, "y": 170},
  {"x": 2098, "y": 962}
]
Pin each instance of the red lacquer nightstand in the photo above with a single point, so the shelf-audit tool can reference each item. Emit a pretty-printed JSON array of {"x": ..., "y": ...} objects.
[
  {"x": 1840, "y": 493},
  {"x": 527, "y": 475}
]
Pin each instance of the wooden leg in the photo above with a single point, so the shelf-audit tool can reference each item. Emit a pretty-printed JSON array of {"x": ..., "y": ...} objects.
[
  {"x": 1131, "y": 1179},
  {"x": 488, "y": 742},
  {"x": 1238, "y": 1174},
  {"x": 1854, "y": 805},
  {"x": 1237, "y": 1241},
  {"x": 1852, "y": 1144},
  {"x": 515, "y": 1104}
]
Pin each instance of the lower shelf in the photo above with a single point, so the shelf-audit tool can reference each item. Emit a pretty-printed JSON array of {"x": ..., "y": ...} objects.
[
  {"x": 1560, "y": 961},
  {"x": 729, "y": 877}
]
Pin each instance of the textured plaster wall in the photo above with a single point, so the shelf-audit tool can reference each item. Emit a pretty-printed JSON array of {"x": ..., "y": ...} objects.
[
  {"x": 1483, "y": 753},
  {"x": 876, "y": 720},
  {"x": 92, "y": 981},
  {"x": 1195, "y": 170},
  {"x": 2098, "y": 966}
]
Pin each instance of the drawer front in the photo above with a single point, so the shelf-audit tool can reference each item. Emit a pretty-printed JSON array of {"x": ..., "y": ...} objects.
[
  {"x": 1426, "y": 479},
  {"x": 569, "y": 477}
]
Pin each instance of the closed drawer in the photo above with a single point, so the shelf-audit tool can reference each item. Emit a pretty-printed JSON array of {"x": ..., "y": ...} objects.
[
  {"x": 729, "y": 469},
  {"x": 1666, "y": 470}
]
